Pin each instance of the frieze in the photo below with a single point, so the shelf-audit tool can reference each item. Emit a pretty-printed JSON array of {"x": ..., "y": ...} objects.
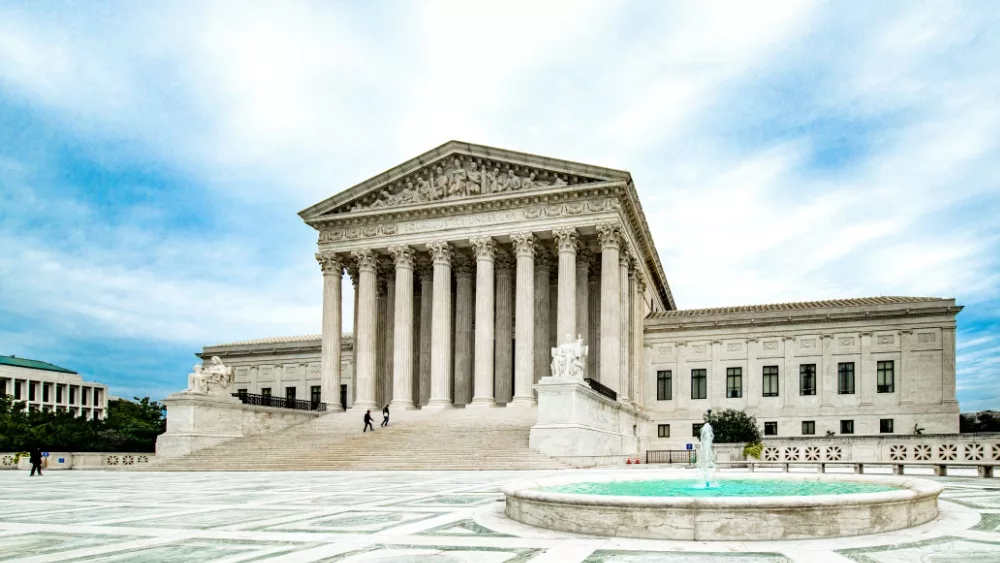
[
  {"x": 811, "y": 343},
  {"x": 354, "y": 233},
  {"x": 846, "y": 340},
  {"x": 925, "y": 337},
  {"x": 572, "y": 208},
  {"x": 460, "y": 177},
  {"x": 885, "y": 339},
  {"x": 699, "y": 348},
  {"x": 770, "y": 345},
  {"x": 734, "y": 346},
  {"x": 459, "y": 221}
]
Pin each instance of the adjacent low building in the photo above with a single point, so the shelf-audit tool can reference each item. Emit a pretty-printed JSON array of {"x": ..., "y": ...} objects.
[{"x": 50, "y": 388}]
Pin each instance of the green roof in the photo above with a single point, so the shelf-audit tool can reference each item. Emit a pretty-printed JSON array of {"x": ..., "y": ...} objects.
[{"x": 31, "y": 364}]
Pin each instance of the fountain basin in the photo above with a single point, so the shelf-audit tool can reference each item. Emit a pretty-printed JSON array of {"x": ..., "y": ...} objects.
[{"x": 908, "y": 503}]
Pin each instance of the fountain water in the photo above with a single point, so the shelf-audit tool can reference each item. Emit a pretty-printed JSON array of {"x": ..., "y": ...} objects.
[{"x": 706, "y": 457}]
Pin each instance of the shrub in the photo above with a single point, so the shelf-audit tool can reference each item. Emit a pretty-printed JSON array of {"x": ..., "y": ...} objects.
[{"x": 731, "y": 426}]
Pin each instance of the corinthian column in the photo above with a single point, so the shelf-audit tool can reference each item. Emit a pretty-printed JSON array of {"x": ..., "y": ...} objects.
[
  {"x": 503, "y": 362},
  {"x": 637, "y": 291},
  {"x": 402, "y": 388},
  {"x": 524, "y": 353},
  {"x": 594, "y": 306},
  {"x": 543, "y": 271},
  {"x": 441, "y": 360},
  {"x": 485, "y": 248},
  {"x": 567, "y": 241},
  {"x": 463, "y": 328},
  {"x": 364, "y": 341},
  {"x": 381, "y": 321},
  {"x": 426, "y": 271},
  {"x": 624, "y": 322},
  {"x": 333, "y": 273},
  {"x": 583, "y": 299},
  {"x": 610, "y": 238}
]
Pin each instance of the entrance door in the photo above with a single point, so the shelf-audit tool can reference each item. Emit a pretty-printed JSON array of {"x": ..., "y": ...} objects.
[{"x": 343, "y": 396}]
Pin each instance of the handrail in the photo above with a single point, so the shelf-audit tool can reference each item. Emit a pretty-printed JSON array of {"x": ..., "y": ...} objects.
[
  {"x": 279, "y": 402},
  {"x": 602, "y": 389},
  {"x": 670, "y": 456}
]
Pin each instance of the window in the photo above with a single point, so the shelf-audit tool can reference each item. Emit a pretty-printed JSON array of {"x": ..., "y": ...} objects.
[
  {"x": 31, "y": 390},
  {"x": 885, "y": 425},
  {"x": 265, "y": 391},
  {"x": 734, "y": 383},
  {"x": 664, "y": 385},
  {"x": 886, "y": 378},
  {"x": 290, "y": 393},
  {"x": 699, "y": 384},
  {"x": 770, "y": 428},
  {"x": 663, "y": 430},
  {"x": 807, "y": 379},
  {"x": 3, "y": 387},
  {"x": 97, "y": 414},
  {"x": 845, "y": 378},
  {"x": 97, "y": 397},
  {"x": 60, "y": 392},
  {"x": 72, "y": 395},
  {"x": 315, "y": 395},
  {"x": 84, "y": 395},
  {"x": 696, "y": 429},
  {"x": 847, "y": 427},
  {"x": 770, "y": 381},
  {"x": 46, "y": 392},
  {"x": 17, "y": 390},
  {"x": 808, "y": 427}
]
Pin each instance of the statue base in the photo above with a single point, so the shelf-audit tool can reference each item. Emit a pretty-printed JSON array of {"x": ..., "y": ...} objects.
[{"x": 197, "y": 420}]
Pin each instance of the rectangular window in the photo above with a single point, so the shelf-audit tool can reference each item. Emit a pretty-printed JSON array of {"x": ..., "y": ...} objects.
[
  {"x": 241, "y": 392},
  {"x": 97, "y": 397},
  {"x": 3, "y": 387},
  {"x": 663, "y": 430},
  {"x": 290, "y": 393},
  {"x": 696, "y": 429},
  {"x": 847, "y": 427},
  {"x": 734, "y": 383},
  {"x": 845, "y": 378},
  {"x": 699, "y": 384},
  {"x": 315, "y": 395},
  {"x": 265, "y": 391},
  {"x": 885, "y": 425},
  {"x": 808, "y": 427},
  {"x": 807, "y": 379},
  {"x": 60, "y": 392},
  {"x": 97, "y": 414},
  {"x": 664, "y": 385},
  {"x": 770, "y": 428},
  {"x": 85, "y": 395},
  {"x": 46, "y": 392},
  {"x": 770, "y": 381},
  {"x": 886, "y": 377},
  {"x": 72, "y": 395},
  {"x": 31, "y": 390},
  {"x": 17, "y": 390}
]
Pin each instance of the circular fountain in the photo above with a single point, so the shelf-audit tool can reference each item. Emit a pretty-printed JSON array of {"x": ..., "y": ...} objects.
[{"x": 668, "y": 505}]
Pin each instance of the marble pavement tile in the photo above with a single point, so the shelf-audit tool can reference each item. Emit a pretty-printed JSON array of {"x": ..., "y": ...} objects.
[
  {"x": 463, "y": 528},
  {"x": 608, "y": 556},
  {"x": 354, "y": 522},
  {"x": 197, "y": 549},
  {"x": 21, "y": 545},
  {"x": 208, "y": 519},
  {"x": 937, "y": 550},
  {"x": 434, "y": 554}
]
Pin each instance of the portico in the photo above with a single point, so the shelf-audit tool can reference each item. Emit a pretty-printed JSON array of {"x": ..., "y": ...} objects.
[{"x": 480, "y": 246}]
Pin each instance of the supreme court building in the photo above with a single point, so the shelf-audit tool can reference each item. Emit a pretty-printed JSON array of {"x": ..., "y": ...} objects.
[{"x": 469, "y": 263}]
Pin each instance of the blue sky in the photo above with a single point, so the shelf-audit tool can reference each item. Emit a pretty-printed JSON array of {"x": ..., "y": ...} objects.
[{"x": 153, "y": 156}]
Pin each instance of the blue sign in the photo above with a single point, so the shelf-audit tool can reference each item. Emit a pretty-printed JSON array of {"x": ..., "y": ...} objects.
[
  {"x": 45, "y": 454},
  {"x": 690, "y": 446},
  {"x": 62, "y": 460}
]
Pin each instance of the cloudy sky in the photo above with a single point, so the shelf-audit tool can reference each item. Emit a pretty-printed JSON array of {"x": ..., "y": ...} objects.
[{"x": 153, "y": 155}]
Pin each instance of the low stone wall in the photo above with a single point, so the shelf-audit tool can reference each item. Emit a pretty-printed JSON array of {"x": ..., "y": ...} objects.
[
  {"x": 934, "y": 448},
  {"x": 79, "y": 460}
]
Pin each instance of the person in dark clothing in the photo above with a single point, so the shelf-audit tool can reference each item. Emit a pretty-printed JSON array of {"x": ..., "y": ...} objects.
[
  {"x": 368, "y": 422},
  {"x": 36, "y": 462},
  {"x": 385, "y": 416}
]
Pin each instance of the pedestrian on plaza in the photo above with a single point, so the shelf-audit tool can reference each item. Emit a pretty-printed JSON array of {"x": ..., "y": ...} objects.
[
  {"x": 36, "y": 461},
  {"x": 368, "y": 421},
  {"x": 385, "y": 416}
]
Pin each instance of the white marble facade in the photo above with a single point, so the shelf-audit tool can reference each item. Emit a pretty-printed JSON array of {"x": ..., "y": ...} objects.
[{"x": 469, "y": 263}]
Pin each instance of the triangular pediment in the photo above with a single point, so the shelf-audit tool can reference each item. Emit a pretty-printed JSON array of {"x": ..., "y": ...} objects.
[{"x": 458, "y": 171}]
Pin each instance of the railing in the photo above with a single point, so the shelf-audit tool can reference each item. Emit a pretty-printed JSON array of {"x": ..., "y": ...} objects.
[
  {"x": 670, "y": 456},
  {"x": 279, "y": 402},
  {"x": 606, "y": 391}
]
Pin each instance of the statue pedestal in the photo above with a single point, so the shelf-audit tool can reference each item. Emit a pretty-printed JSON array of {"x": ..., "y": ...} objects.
[
  {"x": 196, "y": 421},
  {"x": 583, "y": 428}
]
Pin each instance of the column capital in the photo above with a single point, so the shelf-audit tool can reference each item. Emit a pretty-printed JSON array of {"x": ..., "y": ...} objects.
[
  {"x": 609, "y": 235},
  {"x": 524, "y": 244},
  {"x": 403, "y": 255},
  {"x": 485, "y": 248},
  {"x": 504, "y": 261},
  {"x": 424, "y": 268},
  {"x": 625, "y": 259},
  {"x": 463, "y": 264},
  {"x": 583, "y": 256},
  {"x": 906, "y": 331},
  {"x": 381, "y": 286},
  {"x": 441, "y": 252},
  {"x": 543, "y": 259},
  {"x": 352, "y": 271},
  {"x": 640, "y": 279},
  {"x": 788, "y": 337},
  {"x": 367, "y": 259},
  {"x": 567, "y": 239},
  {"x": 330, "y": 263}
]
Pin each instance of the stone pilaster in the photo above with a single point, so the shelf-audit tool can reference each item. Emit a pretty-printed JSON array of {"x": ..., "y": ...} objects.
[
  {"x": 624, "y": 322},
  {"x": 524, "y": 353},
  {"x": 948, "y": 364},
  {"x": 503, "y": 362},
  {"x": 365, "y": 333},
  {"x": 354, "y": 274},
  {"x": 426, "y": 272},
  {"x": 543, "y": 272},
  {"x": 866, "y": 371},
  {"x": 826, "y": 379},
  {"x": 333, "y": 274},
  {"x": 567, "y": 242},
  {"x": 609, "y": 236},
  {"x": 485, "y": 249},
  {"x": 637, "y": 291},
  {"x": 402, "y": 387},
  {"x": 381, "y": 345},
  {"x": 415, "y": 332},
  {"x": 583, "y": 300},
  {"x": 441, "y": 351},
  {"x": 464, "y": 272},
  {"x": 904, "y": 389},
  {"x": 594, "y": 314}
]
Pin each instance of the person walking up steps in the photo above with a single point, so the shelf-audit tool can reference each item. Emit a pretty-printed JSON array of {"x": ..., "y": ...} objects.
[
  {"x": 385, "y": 416},
  {"x": 368, "y": 422}
]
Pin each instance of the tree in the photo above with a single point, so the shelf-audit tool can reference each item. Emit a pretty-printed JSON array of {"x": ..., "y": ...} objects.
[
  {"x": 731, "y": 426},
  {"x": 982, "y": 421},
  {"x": 134, "y": 426}
]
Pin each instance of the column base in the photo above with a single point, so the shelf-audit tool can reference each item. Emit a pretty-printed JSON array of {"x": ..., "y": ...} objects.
[
  {"x": 482, "y": 404},
  {"x": 363, "y": 406},
  {"x": 439, "y": 405},
  {"x": 523, "y": 402},
  {"x": 403, "y": 405}
]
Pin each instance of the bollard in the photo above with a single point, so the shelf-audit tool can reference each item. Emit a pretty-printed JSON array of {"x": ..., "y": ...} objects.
[
  {"x": 897, "y": 469},
  {"x": 822, "y": 468},
  {"x": 941, "y": 470},
  {"x": 985, "y": 471},
  {"x": 859, "y": 468}
]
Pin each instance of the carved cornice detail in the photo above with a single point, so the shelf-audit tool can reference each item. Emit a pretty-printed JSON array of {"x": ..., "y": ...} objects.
[{"x": 330, "y": 263}]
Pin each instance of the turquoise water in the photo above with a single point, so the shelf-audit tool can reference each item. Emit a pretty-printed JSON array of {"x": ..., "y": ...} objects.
[{"x": 722, "y": 488}]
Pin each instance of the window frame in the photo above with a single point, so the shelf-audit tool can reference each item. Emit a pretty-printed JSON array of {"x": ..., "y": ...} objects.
[
  {"x": 885, "y": 369},
  {"x": 774, "y": 383},
  {"x": 772, "y": 426},
  {"x": 664, "y": 385},
  {"x": 734, "y": 375},
  {"x": 882, "y": 426},
  {"x": 842, "y": 374},
  {"x": 812, "y": 427},
  {"x": 850, "y": 424},
  {"x": 696, "y": 429},
  {"x": 702, "y": 375},
  {"x": 807, "y": 370},
  {"x": 660, "y": 431}
]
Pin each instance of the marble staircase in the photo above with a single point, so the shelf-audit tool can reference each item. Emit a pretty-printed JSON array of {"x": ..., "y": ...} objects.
[{"x": 453, "y": 439}]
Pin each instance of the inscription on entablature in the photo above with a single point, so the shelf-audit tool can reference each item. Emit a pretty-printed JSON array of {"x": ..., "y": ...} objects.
[
  {"x": 354, "y": 233},
  {"x": 460, "y": 221}
]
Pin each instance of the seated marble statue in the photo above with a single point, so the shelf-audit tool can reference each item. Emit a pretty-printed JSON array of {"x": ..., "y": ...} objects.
[
  {"x": 569, "y": 358},
  {"x": 214, "y": 380}
]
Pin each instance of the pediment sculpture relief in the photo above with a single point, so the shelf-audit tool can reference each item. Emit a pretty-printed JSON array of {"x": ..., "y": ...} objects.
[{"x": 461, "y": 177}]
